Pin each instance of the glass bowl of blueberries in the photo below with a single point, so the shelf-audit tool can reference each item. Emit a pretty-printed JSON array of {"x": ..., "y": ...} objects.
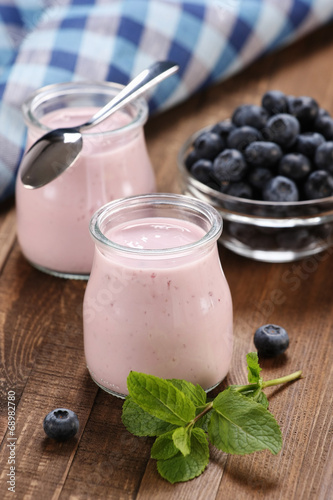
[{"x": 269, "y": 171}]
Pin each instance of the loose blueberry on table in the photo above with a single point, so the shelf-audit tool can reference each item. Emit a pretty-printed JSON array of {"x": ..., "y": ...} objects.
[
  {"x": 280, "y": 151},
  {"x": 271, "y": 340},
  {"x": 61, "y": 424}
]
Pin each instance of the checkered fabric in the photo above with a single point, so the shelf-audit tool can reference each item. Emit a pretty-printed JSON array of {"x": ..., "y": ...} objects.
[{"x": 51, "y": 41}]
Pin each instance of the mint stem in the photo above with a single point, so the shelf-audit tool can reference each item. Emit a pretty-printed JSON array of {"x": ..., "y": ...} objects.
[
  {"x": 269, "y": 383},
  {"x": 207, "y": 409},
  {"x": 283, "y": 380},
  {"x": 242, "y": 388}
]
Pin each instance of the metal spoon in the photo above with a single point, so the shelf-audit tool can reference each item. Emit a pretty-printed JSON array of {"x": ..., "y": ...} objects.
[{"x": 55, "y": 151}]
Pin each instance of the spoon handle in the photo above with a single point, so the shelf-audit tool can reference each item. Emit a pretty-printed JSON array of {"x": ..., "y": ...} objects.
[{"x": 140, "y": 84}]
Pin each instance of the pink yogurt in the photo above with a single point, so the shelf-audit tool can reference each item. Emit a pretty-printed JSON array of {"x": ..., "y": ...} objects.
[
  {"x": 167, "y": 316},
  {"x": 53, "y": 221}
]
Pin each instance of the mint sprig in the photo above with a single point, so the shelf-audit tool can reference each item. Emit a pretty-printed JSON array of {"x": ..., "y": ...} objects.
[{"x": 178, "y": 414}]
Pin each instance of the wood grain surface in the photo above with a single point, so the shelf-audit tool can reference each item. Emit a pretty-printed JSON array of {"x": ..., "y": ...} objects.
[{"x": 41, "y": 345}]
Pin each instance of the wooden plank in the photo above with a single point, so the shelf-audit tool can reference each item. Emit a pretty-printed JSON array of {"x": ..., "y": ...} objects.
[
  {"x": 109, "y": 462},
  {"x": 303, "y": 409},
  {"x": 7, "y": 231},
  {"x": 58, "y": 379}
]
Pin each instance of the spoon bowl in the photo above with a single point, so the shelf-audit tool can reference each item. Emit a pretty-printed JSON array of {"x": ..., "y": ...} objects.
[{"x": 57, "y": 150}]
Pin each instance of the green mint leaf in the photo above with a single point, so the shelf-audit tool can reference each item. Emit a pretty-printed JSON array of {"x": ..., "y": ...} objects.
[
  {"x": 140, "y": 423},
  {"x": 240, "y": 425},
  {"x": 253, "y": 392},
  {"x": 182, "y": 440},
  {"x": 164, "y": 447},
  {"x": 181, "y": 468},
  {"x": 160, "y": 398},
  {"x": 195, "y": 392},
  {"x": 262, "y": 399},
  {"x": 253, "y": 368}
]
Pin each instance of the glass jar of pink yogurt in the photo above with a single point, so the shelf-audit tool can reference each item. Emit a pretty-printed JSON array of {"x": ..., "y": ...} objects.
[
  {"x": 53, "y": 221},
  {"x": 157, "y": 300}
]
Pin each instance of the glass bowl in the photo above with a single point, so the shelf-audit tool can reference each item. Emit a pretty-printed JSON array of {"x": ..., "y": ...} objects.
[{"x": 261, "y": 230}]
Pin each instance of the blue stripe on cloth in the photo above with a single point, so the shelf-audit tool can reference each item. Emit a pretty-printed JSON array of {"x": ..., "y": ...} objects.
[
  {"x": 93, "y": 44},
  {"x": 239, "y": 35},
  {"x": 16, "y": 129},
  {"x": 137, "y": 10},
  {"x": 181, "y": 50},
  {"x": 197, "y": 10},
  {"x": 298, "y": 12},
  {"x": 243, "y": 27},
  {"x": 221, "y": 65},
  {"x": 127, "y": 40},
  {"x": 186, "y": 34},
  {"x": 75, "y": 22},
  {"x": 68, "y": 40},
  {"x": 130, "y": 29},
  {"x": 61, "y": 59},
  {"x": 7, "y": 184},
  {"x": 7, "y": 54},
  {"x": 188, "y": 30},
  {"x": 54, "y": 74},
  {"x": 84, "y": 2},
  {"x": 10, "y": 15},
  {"x": 296, "y": 16},
  {"x": 117, "y": 75}
]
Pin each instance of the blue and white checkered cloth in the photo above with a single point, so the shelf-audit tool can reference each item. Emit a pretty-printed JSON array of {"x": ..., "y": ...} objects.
[{"x": 51, "y": 41}]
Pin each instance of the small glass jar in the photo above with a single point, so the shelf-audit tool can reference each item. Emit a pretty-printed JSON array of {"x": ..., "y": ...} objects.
[
  {"x": 157, "y": 300},
  {"x": 53, "y": 221}
]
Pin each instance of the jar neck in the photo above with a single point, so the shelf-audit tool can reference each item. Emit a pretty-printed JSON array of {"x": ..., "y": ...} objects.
[
  {"x": 78, "y": 95},
  {"x": 175, "y": 207}
]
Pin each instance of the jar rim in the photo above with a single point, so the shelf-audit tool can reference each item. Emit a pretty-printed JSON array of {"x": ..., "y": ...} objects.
[
  {"x": 158, "y": 199},
  {"x": 49, "y": 92}
]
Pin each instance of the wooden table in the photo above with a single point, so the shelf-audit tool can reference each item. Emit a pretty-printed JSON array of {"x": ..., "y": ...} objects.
[{"x": 41, "y": 347}]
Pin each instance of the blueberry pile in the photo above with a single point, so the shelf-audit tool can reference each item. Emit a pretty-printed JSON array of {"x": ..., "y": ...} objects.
[{"x": 281, "y": 151}]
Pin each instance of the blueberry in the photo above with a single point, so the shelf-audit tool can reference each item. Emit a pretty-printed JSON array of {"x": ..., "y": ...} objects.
[
  {"x": 271, "y": 340},
  {"x": 282, "y": 129},
  {"x": 319, "y": 184},
  {"x": 323, "y": 112},
  {"x": 208, "y": 145},
  {"x": 250, "y": 114},
  {"x": 190, "y": 159},
  {"x": 259, "y": 176},
  {"x": 223, "y": 128},
  {"x": 294, "y": 238},
  {"x": 280, "y": 188},
  {"x": 275, "y": 102},
  {"x": 308, "y": 142},
  {"x": 224, "y": 186},
  {"x": 240, "y": 190},
  {"x": 295, "y": 166},
  {"x": 241, "y": 232},
  {"x": 241, "y": 137},
  {"x": 324, "y": 157},
  {"x": 324, "y": 125},
  {"x": 304, "y": 108},
  {"x": 61, "y": 424},
  {"x": 202, "y": 170},
  {"x": 263, "y": 154},
  {"x": 229, "y": 165}
]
